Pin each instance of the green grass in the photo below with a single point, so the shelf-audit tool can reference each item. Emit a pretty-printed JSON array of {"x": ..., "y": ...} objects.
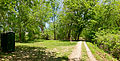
[
  {"x": 84, "y": 53},
  {"x": 62, "y": 48},
  {"x": 99, "y": 54},
  {"x": 41, "y": 50}
]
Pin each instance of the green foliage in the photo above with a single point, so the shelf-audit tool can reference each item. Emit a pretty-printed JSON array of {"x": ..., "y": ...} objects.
[
  {"x": 109, "y": 40},
  {"x": 74, "y": 18},
  {"x": 24, "y": 16},
  {"x": 100, "y": 54}
]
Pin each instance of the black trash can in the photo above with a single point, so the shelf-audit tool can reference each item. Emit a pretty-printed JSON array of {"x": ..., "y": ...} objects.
[{"x": 8, "y": 42}]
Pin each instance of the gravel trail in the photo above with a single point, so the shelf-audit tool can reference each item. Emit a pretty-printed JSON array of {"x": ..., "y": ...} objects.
[{"x": 76, "y": 54}]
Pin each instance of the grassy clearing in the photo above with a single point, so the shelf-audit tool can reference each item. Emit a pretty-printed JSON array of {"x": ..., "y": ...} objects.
[
  {"x": 41, "y": 50},
  {"x": 99, "y": 54},
  {"x": 62, "y": 48},
  {"x": 84, "y": 53}
]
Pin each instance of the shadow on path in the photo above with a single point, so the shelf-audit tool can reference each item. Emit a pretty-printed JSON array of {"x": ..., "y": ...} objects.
[{"x": 25, "y": 53}]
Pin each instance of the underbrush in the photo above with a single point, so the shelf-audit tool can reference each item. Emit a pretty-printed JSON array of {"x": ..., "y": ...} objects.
[{"x": 109, "y": 41}]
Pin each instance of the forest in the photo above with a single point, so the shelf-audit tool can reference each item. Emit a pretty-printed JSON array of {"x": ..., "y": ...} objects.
[{"x": 69, "y": 21}]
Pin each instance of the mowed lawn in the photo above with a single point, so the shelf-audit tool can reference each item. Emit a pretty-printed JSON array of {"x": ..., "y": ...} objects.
[{"x": 41, "y": 50}]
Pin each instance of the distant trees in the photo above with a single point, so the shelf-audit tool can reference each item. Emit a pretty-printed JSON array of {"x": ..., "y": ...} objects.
[{"x": 75, "y": 16}]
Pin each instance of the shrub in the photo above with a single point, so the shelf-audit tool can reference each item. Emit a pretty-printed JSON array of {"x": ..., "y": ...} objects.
[{"x": 109, "y": 41}]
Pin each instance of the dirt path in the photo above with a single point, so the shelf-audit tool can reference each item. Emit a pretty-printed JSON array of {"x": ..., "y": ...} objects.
[
  {"x": 76, "y": 54},
  {"x": 91, "y": 57}
]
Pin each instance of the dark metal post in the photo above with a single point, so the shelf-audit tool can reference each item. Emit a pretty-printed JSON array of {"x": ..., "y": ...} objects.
[{"x": 8, "y": 42}]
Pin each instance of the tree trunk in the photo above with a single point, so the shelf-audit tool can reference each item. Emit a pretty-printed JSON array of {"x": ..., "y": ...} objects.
[
  {"x": 54, "y": 27},
  {"x": 21, "y": 35},
  {"x": 75, "y": 36},
  {"x": 69, "y": 32},
  {"x": 78, "y": 36},
  {"x": 42, "y": 29},
  {"x": 30, "y": 35},
  {"x": 54, "y": 32},
  {"x": 80, "y": 30}
]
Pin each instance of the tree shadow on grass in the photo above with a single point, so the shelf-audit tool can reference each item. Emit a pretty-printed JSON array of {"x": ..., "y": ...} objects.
[{"x": 25, "y": 53}]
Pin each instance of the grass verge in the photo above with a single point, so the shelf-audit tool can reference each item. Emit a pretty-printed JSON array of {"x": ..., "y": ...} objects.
[
  {"x": 84, "y": 53},
  {"x": 99, "y": 54}
]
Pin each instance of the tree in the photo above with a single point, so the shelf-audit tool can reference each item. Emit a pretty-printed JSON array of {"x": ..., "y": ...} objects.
[
  {"x": 23, "y": 16},
  {"x": 55, "y": 7},
  {"x": 75, "y": 16}
]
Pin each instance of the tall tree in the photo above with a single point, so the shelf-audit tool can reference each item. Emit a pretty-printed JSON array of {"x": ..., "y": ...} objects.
[{"x": 55, "y": 7}]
